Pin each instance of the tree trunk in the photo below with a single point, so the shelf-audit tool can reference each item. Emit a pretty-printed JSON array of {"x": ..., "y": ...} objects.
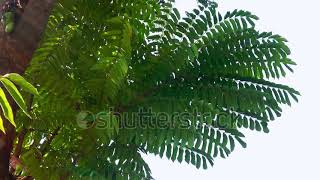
[
  {"x": 6, "y": 144},
  {"x": 16, "y": 50}
]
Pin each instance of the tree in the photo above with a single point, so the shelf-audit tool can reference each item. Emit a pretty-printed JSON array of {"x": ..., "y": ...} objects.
[
  {"x": 120, "y": 78},
  {"x": 16, "y": 53}
]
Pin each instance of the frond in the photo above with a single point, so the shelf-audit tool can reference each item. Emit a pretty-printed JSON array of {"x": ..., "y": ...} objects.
[{"x": 120, "y": 57}]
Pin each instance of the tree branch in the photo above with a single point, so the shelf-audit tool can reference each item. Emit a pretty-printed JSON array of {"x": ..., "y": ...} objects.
[
  {"x": 21, "y": 137},
  {"x": 18, "y": 47}
]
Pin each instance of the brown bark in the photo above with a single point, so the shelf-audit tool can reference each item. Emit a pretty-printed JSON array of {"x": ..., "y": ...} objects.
[
  {"x": 18, "y": 147},
  {"x": 16, "y": 50},
  {"x": 6, "y": 144}
]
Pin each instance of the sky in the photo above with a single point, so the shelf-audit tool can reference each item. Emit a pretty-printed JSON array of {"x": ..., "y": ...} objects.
[{"x": 292, "y": 149}]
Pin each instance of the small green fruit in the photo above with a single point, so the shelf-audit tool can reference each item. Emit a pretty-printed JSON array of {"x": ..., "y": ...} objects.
[
  {"x": 9, "y": 27},
  {"x": 8, "y": 16}
]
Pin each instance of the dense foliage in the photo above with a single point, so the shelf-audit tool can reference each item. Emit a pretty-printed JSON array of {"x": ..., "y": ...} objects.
[
  {"x": 120, "y": 57},
  {"x": 9, "y": 82}
]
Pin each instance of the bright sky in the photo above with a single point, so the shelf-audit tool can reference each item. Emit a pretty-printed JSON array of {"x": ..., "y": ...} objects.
[{"x": 292, "y": 149}]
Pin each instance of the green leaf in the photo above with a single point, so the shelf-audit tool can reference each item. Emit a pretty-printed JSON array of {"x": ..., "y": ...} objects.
[
  {"x": 187, "y": 156},
  {"x": 20, "y": 81},
  {"x": 198, "y": 165},
  {"x": 243, "y": 144},
  {"x": 6, "y": 108},
  {"x": 193, "y": 158},
  {"x": 176, "y": 12},
  {"x": 14, "y": 92},
  {"x": 222, "y": 153},
  {"x": 180, "y": 156},
  {"x": 162, "y": 149},
  {"x": 232, "y": 144},
  {"x": 169, "y": 150},
  {"x": 215, "y": 151},
  {"x": 174, "y": 153},
  {"x": 205, "y": 166}
]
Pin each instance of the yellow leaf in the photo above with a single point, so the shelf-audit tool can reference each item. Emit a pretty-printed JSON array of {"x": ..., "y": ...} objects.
[{"x": 1, "y": 125}]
